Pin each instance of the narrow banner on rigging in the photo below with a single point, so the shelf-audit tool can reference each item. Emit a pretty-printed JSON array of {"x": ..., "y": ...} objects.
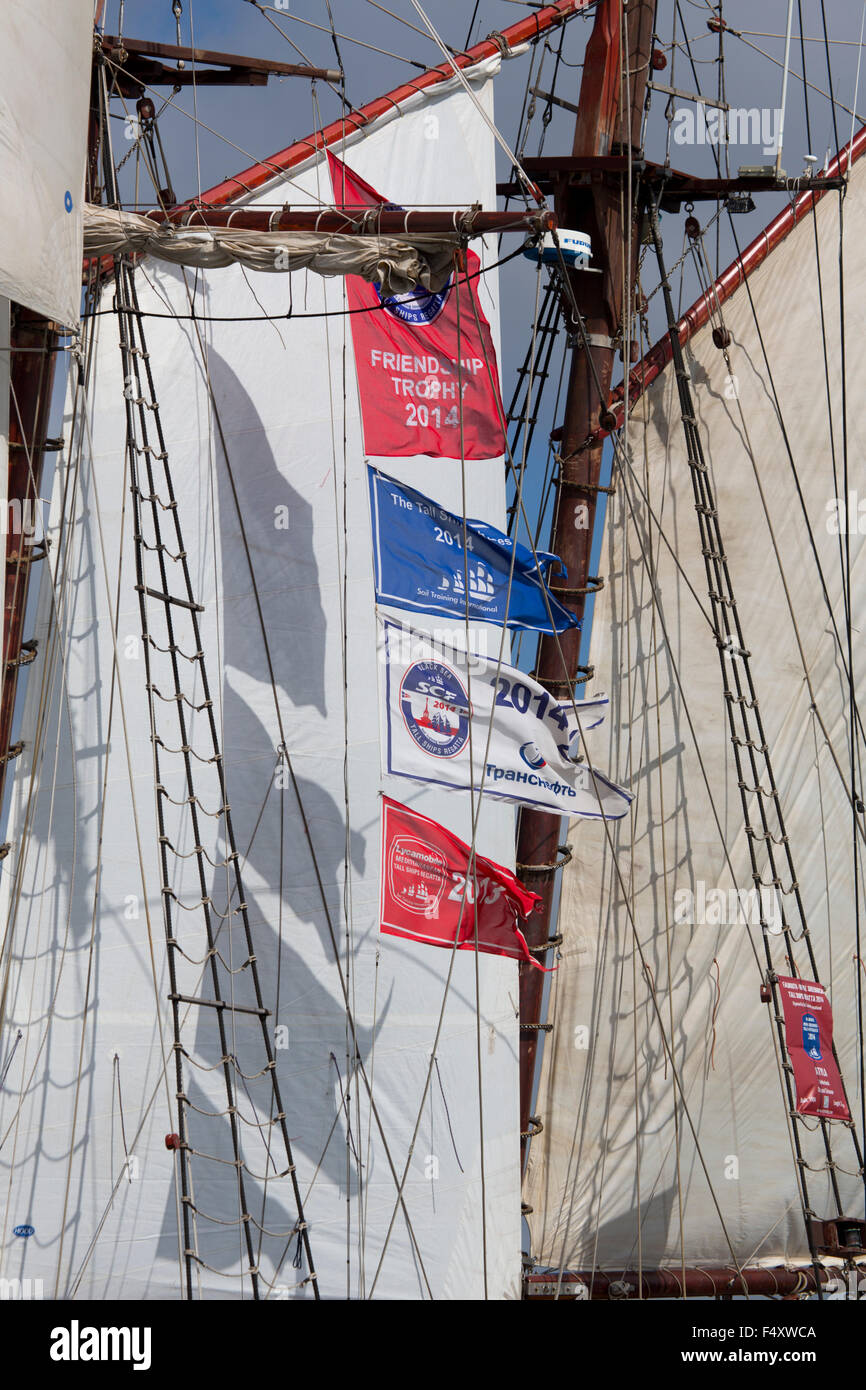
[
  {"x": 420, "y": 564},
  {"x": 415, "y": 360},
  {"x": 809, "y": 1039},
  {"x": 434, "y": 890},
  {"x": 522, "y": 744}
]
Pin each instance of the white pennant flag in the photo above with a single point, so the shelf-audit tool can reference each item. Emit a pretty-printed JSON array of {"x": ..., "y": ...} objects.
[{"x": 533, "y": 744}]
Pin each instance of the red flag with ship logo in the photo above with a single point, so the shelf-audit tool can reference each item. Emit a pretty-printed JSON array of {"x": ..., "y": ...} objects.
[
  {"x": 415, "y": 361},
  {"x": 430, "y": 894}
]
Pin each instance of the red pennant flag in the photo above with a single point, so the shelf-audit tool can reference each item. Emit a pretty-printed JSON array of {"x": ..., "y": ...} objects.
[
  {"x": 809, "y": 1039},
  {"x": 407, "y": 350},
  {"x": 425, "y": 895}
]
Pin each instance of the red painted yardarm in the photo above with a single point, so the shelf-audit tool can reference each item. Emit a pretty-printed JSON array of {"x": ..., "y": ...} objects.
[
  {"x": 540, "y": 22},
  {"x": 730, "y": 279}
]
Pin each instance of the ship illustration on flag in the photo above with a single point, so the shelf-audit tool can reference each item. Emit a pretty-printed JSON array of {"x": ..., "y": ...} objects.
[{"x": 481, "y": 582}]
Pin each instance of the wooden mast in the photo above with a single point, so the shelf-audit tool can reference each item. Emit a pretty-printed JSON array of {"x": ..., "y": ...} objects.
[{"x": 591, "y": 201}]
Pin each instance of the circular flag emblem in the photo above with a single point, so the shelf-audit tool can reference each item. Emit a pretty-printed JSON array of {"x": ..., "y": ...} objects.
[
  {"x": 418, "y": 307},
  {"x": 435, "y": 708},
  {"x": 417, "y": 875},
  {"x": 532, "y": 755}
]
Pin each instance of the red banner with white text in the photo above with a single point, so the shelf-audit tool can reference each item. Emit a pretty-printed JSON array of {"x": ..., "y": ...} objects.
[
  {"x": 809, "y": 1039},
  {"x": 425, "y": 895},
  {"x": 418, "y": 354}
]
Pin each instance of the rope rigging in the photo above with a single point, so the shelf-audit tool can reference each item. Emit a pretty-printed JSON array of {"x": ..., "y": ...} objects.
[
  {"x": 749, "y": 741},
  {"x": 142, "y": 413},
  {"x": 134, "y": 356},
  {"x": 190, "y": 777},
  {"x": 845, "y": 650}
]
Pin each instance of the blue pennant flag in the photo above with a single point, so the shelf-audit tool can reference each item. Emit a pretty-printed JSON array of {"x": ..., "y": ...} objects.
[{"x": 420, "y": 565}]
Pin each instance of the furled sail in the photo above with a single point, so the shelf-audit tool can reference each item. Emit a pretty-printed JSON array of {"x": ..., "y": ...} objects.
[
  {"x": 44, "y": 89},
  {"x": 397, "y": 263},
  {"x": 262, "y": 431},
  {"x": 617, "y": 1179}
]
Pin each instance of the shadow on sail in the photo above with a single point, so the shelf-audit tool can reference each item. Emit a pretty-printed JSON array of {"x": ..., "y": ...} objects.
[{"x": 283, "y": 853}]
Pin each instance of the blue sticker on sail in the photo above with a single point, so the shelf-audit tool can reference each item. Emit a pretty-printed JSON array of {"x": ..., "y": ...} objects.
[
  {"x": 435, "y": 708},
  {"x": 417, "y": 307},
  {"x": 67, "y": 201},
  {"x": 420, "y": 562},
  {"x": 23, "y": 1231},
  {"x": 811, "y": 1037}
]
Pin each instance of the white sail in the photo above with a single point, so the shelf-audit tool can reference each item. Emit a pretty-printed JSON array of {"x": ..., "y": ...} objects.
[
  {"x": 616, "y": 1178},
  {"x": 82, "y": 983},
  {"x": 397, "y": 263},
  {"x": 44, "y": 90},
  {"x": 5, "y": 365}
]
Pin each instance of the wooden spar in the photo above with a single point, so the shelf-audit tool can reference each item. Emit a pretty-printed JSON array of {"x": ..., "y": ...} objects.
[
  {"x": 366, "y": 222},
  {"x": 524, "y": 31},
  {"x": 672, "y": 186},
  {"x": 715, "y": 1282},
  {"x": 649, "y": 367},
  {"x": 600, "y": 125},
  {"x": 136, "y": 65}
]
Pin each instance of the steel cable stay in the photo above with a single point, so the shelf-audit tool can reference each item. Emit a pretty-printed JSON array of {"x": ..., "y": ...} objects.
[
  {"x": 628, "y": 269},
  {"x": 347, "y": 38}
]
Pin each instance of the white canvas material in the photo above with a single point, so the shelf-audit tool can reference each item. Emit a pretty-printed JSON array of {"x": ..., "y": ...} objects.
[
  {"x": 605, "y": 1195},
  {"x": 43, "y": 147},
  {"x": 85, "y": 965}
]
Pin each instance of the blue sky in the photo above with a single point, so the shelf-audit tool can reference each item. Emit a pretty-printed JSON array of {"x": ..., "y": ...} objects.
[
  {"x": 246, "y": 124},
  {"x": 258, "y": 121},
  {"x": 250, "y": 123}
]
